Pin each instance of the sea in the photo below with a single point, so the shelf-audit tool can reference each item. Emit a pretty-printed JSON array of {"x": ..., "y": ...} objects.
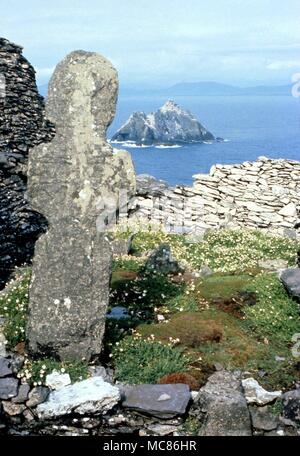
[{"x": 252, "y": 126}]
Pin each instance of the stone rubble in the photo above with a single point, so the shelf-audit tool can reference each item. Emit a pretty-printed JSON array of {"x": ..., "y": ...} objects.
[{"x": 95, "y": 407}]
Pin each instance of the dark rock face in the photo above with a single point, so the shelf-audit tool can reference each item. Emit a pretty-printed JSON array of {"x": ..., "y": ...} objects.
[
  {"x": 71, "y": 181},
  {"x": 222, "y": 407},
  {"x": 22, "y": 126},
  {"x": 291, "y": 280},
  {"x": 169, "y": 125},
  {"x": 164, "y": 401},
  {"x": 149, "y": 185},
  {"x": 5, "y": 367},
  {"x": 291, "y": 406}
]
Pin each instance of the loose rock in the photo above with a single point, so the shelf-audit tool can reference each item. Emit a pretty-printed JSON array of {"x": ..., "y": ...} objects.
[
  {"x": 37, "y": 396},
  {"x": 8, "y": 388},
  {"x": 222, "y": 408},
  {"x": 255, "y": 394}
]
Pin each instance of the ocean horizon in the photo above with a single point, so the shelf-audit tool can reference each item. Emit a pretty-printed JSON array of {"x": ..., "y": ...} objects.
[{"x": 251, "y": 127}]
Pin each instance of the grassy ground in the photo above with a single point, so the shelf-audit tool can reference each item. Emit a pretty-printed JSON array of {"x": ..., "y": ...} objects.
[{"x": 240, "y": 317}]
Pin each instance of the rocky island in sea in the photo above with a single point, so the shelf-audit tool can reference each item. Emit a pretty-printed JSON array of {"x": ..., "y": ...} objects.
[{"x": 170, "y": 125}]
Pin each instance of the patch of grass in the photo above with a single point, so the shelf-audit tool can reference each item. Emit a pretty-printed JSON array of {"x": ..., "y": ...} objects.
[
  {"x": 34, "y": 372},
  {"x": 276, "y": 409},
  {"x": 191, "y": 426},
  {"x": 14, "y": 307},
  {"x": 275, "y": 316},
  {"x": 225, "y": 251},
  {"x": 146, "y": 361},
  {"x": 181, "y": 303},
  {"x": 127, "y": 263}
]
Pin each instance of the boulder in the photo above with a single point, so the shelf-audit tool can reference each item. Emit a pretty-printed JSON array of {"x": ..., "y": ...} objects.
[
  {"x": 74, "y": 181},
  {"x": 161, "y": 261},
  {"x": 222, "y": 408},
  {"x": 147, "y": 185},
  {"x": 291, "y": 280},
  {"x": 8, "y": 388},
  {"x": 5, "y": 367},
  {"x": 87, "y": 397},
  {"x": 256, "y": 394},
  {"x": 13, "y": 409},
  {"x": 262, "y": 419},
  {"x": 162, "y": 401},
  {"x": 37, "y": 396},
  {"x": 22, "y": 394}
]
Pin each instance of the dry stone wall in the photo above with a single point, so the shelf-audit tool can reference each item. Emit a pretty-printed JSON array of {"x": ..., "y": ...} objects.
[
  {"x": 260, "y": 194},
  {"x": 22, "y": 126}
]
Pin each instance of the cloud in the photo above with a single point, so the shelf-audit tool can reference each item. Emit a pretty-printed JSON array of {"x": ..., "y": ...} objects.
[
  {"x": 45, "y": 72},
  {"x": 283, "y": 65}
]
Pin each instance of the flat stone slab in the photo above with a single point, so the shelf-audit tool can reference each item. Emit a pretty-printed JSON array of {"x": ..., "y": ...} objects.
[
  {"x": 163, "y": 401},
  {"x": 291, "y": 280},
  {"x": 87, "y": 397}
]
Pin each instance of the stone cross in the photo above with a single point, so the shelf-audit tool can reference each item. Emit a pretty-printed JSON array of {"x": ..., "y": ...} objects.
[{"x": 70, "y": 181}]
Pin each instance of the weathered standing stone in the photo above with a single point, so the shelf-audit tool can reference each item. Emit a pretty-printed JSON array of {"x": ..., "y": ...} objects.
[{"x": 74, "y": 182}]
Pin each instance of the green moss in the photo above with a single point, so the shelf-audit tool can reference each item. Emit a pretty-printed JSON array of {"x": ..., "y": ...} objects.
[
  {"x": 189, "y": 328},
  {"x": 219, "y": 286}
]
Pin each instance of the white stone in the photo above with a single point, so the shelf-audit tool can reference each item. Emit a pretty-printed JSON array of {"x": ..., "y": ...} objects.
[
  {"x": 164, "y": 397},
  {"x": 93, "y": 395},
  {"x": 290, "y": 210},
  {"x": 256, "y": 394},
  {"x": 57, "y": 380},
  {"x": 3, "y": 343}
]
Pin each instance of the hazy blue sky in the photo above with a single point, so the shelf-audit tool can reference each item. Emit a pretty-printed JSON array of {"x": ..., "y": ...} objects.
[{"x": 161, "y": 42}]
